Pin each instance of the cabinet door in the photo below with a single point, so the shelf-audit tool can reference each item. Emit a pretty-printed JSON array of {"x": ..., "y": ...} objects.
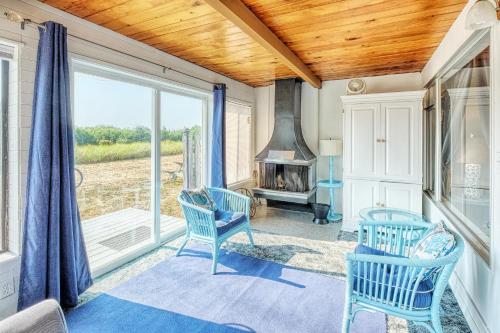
[
  {"x": 401, "y": 196},
  {"x": 357, "y": 195},
  {"x": 399, "y": 143},
  {"x": 361, "y": 127}
]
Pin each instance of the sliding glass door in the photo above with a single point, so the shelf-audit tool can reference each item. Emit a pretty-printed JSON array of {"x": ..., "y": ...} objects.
[
  {"x": 138, "y": 142},
  {"x": 181, "y": 157}
]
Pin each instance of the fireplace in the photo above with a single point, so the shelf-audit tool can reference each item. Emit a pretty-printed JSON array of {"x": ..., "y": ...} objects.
[
  {"x": 285, "y": 177},
  {"x": 287, "y": 167}
]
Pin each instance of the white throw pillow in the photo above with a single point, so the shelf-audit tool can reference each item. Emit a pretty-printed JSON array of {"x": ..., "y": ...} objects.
[{"x": 437, "y": 243}]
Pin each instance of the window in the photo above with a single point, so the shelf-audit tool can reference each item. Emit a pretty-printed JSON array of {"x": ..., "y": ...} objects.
[
  {"x": 6, "y": 55},
  {"x": 465, "y": 140},
  {"x": 238, "y": 142},
  {"x": 430, "y": 138}
]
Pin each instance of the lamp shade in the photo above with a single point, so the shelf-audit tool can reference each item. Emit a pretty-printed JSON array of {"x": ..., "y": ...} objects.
[
  {"x": 481, "y": 15},
  {"x": 330, "y": 147}
]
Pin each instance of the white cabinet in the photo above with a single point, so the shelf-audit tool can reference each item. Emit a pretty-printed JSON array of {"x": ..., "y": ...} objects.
[
  {"x": 357, "y": 195},
  {"x": 382, "y": 153},
  {"x": 401, "y": 196},
  {"x": 361, "y": 127},
  {"x": 360, "y": 194},
  {"x": 400, "y": 141},
  {"x": 383, "y": 136}
]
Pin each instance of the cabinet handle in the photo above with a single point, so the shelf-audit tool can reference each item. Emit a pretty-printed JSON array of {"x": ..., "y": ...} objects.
[
  {"x": 382, "y": 205},
  {"x": 382, "y": 140},
  {"x": 378, "y": 204}
]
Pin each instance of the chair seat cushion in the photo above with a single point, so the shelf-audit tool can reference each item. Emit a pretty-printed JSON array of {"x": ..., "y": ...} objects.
[
  {"x": 423, "y": 297},
  {"x": 226, "y": 221}
]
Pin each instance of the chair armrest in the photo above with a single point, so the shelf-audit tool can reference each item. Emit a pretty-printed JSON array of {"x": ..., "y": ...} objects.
[
  {"x": 196, "y": 208},
  {"x": 397, "y": 261},
  {"x": 232, "y": 201},
  {"x": 46, "y": 316},
  {"x": 199, "y": 220}
]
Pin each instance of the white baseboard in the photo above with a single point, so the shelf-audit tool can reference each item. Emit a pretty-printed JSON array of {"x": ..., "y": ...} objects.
[{"x": 471, "y": 314}]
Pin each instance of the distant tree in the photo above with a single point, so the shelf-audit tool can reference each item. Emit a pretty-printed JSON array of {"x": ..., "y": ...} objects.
[{"x": 106, "y": 135}]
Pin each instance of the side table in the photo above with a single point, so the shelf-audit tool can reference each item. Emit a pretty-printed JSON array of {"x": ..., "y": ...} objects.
[{"x": 331, "y": 185}]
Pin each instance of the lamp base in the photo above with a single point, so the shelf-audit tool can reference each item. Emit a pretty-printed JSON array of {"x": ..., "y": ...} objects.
[{"x": 334, "y": 217}]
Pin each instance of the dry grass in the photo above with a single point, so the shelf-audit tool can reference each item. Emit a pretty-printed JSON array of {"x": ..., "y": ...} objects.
[
  {"x": 85, "y": 154},
  {"x": 112, "y": 186}
]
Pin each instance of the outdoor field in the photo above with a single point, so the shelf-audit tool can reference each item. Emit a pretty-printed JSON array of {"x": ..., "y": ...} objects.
[{"x": 113, "y": 174}]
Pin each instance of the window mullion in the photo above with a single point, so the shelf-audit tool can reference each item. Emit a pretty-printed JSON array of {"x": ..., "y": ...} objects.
[
  {"x": 437, "y": 144},
  {"x": 156, "y": 164}
]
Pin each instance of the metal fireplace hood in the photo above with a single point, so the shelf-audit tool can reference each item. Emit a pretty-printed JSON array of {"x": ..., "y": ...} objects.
[{"x": 287, "y": 144}]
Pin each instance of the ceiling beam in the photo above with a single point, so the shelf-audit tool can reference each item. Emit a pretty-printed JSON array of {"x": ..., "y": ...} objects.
[{"x": 240, "y": 15}]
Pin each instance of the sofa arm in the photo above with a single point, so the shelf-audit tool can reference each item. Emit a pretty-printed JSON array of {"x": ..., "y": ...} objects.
[{"x": 44, "y": 317}]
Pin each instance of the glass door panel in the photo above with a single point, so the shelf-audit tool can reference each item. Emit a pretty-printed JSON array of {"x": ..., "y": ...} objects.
[
  {"x": 181, "y": 154},
  {"x": 113, "y": 122}
]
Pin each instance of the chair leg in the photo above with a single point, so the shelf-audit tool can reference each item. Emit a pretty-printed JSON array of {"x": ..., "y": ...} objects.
[
  {"x": 250, "y": 237},
  {"x": 184, "y": 242},
  {"x": 346, "y": 321},
  {"x": 436, "y": 322},
  {"x": 215, "y": 255}
]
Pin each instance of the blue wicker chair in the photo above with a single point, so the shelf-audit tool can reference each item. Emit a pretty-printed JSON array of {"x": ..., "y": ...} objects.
[
  {"x": 207, "y": 227},
  {"x": 393, "y": 283}
]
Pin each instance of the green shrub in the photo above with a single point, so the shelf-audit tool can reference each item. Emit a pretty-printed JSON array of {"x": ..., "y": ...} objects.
[
  {"x": 96, "y": 153},
  {"x": 109, "y": 134}
]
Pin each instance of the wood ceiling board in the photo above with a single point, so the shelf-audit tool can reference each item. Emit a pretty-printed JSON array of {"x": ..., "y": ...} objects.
[
  {"x": 354, "y": 29},
  {"x": 332, "y": 37},
  {"x": 241, "y": 16},
  {"x": 193, "y": 33}
]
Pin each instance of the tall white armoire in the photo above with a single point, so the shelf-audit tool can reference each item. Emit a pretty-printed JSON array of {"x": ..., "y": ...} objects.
[{"x": 382, "y": 153}]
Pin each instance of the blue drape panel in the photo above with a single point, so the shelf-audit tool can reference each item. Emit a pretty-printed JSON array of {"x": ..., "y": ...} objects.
[
  {"x": 54, "y": 262},
  {"x": 218, "y": 171}
]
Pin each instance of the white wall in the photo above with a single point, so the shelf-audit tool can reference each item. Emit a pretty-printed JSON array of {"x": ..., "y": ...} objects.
[
  {"x": 21, "y": 98},
  {"x": 475, "y": 283},
  {"x": 322, "y": 116}
]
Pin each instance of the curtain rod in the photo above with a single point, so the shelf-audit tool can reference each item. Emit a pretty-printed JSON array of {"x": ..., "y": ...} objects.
[{"x": 15, "y": 17}]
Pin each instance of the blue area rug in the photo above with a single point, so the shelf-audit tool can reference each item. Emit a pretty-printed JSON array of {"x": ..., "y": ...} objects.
[{"x": 246, "y": 295}]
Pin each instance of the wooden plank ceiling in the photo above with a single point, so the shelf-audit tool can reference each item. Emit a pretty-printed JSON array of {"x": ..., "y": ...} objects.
[{"x": 336, "y": 39}]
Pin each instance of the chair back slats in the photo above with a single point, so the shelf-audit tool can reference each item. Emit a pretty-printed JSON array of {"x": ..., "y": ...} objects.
[
  {"x": 397, "y": 238},
  {"x": 230, "y": 201}
]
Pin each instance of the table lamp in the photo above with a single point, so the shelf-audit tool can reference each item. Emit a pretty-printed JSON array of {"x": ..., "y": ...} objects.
[{"x": 331, "y": 148}]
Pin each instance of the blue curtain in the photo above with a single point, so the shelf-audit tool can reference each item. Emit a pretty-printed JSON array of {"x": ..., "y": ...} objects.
[
  {"x": 218, "y": 171},
  {"x": 54, "y": 262}
]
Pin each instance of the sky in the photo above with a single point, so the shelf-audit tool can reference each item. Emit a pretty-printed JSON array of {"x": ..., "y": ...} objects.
[{"x": 101, "y": 101}]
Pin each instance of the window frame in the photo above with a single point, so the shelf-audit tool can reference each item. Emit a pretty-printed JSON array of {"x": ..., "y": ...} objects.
[
  {"x": 99, "y": 68},
  {"x": 428, "y": 188},
  {"x": 250, "y": 162},
  {"x": 8, "y": 61},
  {"x": 482, "y": 248},
  {"x": 5, "y": 87}
]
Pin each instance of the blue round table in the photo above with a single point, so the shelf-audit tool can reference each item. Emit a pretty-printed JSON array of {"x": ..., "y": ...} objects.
[{"x": 331, "y": 185}]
